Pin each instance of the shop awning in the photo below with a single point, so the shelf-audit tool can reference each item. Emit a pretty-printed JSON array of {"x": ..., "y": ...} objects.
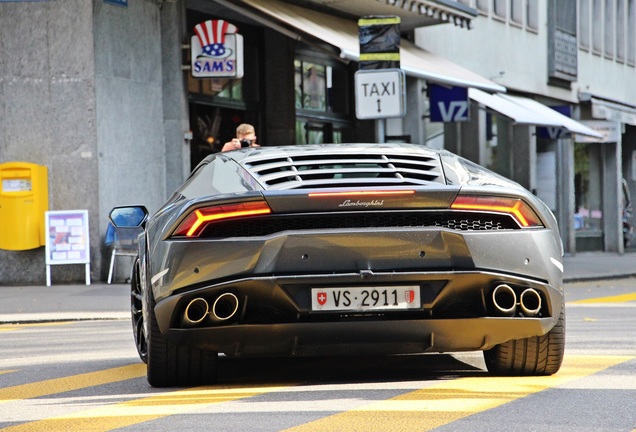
[
  {"x": 413, "y": 13},
  {"x": 610, "y": 110},
  {"x": 527, "y": 111},
  {"x": 341, "y": 33}
]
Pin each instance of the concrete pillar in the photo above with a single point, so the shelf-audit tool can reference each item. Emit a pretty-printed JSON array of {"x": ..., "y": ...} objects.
[
  {"x": 473, "y": 140},
  {"x": 413, "y": 120},
  {"x": 467, "y": 139},
  {"x": 612, "y": 218},
  {"x": 48, "y": 116},
  {"x": 175, "y": 103},
  {"x": 502, "y": 163},
  {"x": 524, "y": 156},
  {"x": 565, "y": 194},
  {"x": 279, "y": 123},
  {"x": 453, "y": 138}
]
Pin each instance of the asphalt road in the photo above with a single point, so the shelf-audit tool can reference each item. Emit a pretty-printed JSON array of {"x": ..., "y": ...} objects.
[{"x": 85, "y": 376}]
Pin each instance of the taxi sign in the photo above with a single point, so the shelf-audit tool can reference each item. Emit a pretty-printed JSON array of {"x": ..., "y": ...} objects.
[{"x": 380, "y": 94}]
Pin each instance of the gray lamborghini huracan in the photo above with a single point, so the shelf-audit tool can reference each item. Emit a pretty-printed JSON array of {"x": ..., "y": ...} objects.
[{"x": 337, "y": 249}]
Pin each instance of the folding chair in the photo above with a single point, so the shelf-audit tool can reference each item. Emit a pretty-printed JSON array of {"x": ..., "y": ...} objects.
[{"x": 124, "y": 244}]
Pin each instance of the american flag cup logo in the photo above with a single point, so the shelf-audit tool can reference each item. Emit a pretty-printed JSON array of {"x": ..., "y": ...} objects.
[
  {"x": 211, "y": 35},
  {"x": 216, "y": 50}
]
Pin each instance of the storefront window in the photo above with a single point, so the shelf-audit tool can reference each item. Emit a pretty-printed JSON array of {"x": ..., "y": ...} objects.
[
  {"x": 588, "y": 217},
  {"x": 310, "y": 132},
  {"x": 313, "y": 82},
  {"x": 321, "y": 98},
  {"x": 221, "y": 87}
]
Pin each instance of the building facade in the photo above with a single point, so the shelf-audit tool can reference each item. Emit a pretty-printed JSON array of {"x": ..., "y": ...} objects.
[
  {"x": 579, "y": 58},
  {"x": 102, "y": 94}
]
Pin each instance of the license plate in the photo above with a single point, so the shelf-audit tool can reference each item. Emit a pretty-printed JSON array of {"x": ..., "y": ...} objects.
[{"x": 365, "y": 298}]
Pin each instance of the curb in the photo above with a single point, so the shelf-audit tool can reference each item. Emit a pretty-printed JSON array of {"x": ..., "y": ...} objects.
[
  {"x": 34, "y": 318},
  {"x": 598, "y": 278}
]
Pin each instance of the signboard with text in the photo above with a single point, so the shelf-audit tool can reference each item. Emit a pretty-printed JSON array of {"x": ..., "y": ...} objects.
[
  {"x": 610, "y": 130},
  {"x": 216, "y": 50},
  {"x": 380, "y": 93},
  {"x": 449, "y": 104},
  {"x": 67, "y": 240}
]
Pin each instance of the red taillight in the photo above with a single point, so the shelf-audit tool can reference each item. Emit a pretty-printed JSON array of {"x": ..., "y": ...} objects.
[
  {"x": 196, "y": 221},
  {"x": 361, "y": 193},
  {"x": 515, "y": 207}
]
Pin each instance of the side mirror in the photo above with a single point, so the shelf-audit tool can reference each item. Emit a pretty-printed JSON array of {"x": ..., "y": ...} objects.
[{"x": 129, "y": 216}]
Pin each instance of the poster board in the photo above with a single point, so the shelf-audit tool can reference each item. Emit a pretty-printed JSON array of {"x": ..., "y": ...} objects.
[{"x": 67, "y": 240}]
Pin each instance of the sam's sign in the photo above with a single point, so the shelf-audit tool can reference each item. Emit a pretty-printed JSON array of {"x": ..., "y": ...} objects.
[{"x": 216, "y": 50}]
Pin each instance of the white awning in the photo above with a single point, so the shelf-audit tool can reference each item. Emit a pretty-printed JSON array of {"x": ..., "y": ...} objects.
[
  {"x": 515, "y": 112},
  {"x": 413, "y": 14},
  {"x": 527, "y": 111},
  {"x": 343, "y": 34}
]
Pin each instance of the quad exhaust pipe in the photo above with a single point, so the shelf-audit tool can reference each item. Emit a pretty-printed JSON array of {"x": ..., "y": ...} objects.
[
  {"x": 224, "y": 307},
  {"x": 530, "y": 302},
  {"x": 195, "y": 312},
  {"x": 198, "y": 310},
  {"x": 504, "y": 300}
]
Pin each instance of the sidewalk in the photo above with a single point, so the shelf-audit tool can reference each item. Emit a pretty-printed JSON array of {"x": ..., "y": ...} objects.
[
  {"x": 99, "y": 300},
  {"x": 585, "y": 266},
  {"x": 27, "y": 304}
]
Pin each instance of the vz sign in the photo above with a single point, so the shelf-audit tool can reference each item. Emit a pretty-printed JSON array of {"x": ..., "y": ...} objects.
[{"x": 448, "y": 104}]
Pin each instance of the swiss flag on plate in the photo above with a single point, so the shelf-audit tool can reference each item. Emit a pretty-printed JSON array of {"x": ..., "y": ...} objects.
[
  {"x": 321, "y": 298},
  {"x": 409, "y": 296}
]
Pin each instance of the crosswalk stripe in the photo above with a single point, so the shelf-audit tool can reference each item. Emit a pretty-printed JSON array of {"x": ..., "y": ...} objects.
[
  {"x": 450, "y": 400},
  {"x": 74, "y": 382},
  {"x": 110, "y": 417},
  {"x": 621, "y": 298},
  {"x": 453, "y": 399}
]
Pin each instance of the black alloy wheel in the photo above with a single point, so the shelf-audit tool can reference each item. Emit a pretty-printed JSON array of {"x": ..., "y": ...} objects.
[{"x": 136, "y": 312}]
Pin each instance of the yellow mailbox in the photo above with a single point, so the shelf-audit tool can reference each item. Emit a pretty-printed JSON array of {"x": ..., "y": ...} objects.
[{"x": 24, "y": 198}]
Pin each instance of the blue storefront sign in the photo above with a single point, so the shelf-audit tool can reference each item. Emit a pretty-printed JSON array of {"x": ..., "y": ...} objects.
[
  {"x": 122, "y": 3},
  {"x": 448, "y": 104}
]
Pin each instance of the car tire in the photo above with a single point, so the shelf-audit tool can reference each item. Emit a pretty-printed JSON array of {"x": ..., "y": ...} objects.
[
  {"x": 136, "y": 313},
  {"x": 171, "y": 365},
  {"x": 539, "y": 355}
]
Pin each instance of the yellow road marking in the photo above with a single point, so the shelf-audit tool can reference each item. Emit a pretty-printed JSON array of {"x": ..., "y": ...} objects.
[
  {"x": 74, "y": 382},
  {"x": 7, "y": 371},
  {"x": 449, "y": 400},
  {"x": 12, "y": 327},
  {"x": 622, "y": 298},
  {"x": 453, "y": 399},
  {"x": 109, "y": 417}
]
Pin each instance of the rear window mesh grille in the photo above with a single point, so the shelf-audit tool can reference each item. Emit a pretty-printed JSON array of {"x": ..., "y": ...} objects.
[
  {"x": 267, "y": 225},
  {"x": 301, "y": 171}
]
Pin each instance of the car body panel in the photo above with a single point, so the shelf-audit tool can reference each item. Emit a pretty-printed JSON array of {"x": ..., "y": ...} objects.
[{"x": 387, "y": 222}]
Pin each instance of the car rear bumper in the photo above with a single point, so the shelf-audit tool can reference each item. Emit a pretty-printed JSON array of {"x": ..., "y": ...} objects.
[
  {"x": 368, "y": 337},
  {"x": 275, "y": 317}
]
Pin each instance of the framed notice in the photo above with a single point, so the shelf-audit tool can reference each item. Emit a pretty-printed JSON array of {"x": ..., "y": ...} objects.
[{"x": 67, "y": 240}]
